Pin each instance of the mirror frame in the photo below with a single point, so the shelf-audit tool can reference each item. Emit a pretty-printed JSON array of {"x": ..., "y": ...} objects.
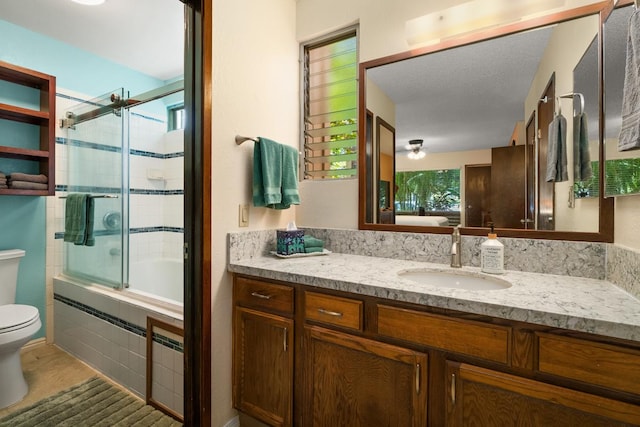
[{"x": 606, "y": 205}]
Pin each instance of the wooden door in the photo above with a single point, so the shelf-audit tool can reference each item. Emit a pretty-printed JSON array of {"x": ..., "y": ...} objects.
[
  {"x": 352, "y": 381},
  {"x": 482, "y": 397},
  {"x": 477, "y": 195},
  {"x": 263, "y": 366},
  {"x": 530, "y": 142},
  {"x": 508, "y": 189},
  {"x": 546, "y": 190}
]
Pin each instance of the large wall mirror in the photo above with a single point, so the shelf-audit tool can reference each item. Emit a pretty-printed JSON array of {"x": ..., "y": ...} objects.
[{"x": 476, "y": 133}]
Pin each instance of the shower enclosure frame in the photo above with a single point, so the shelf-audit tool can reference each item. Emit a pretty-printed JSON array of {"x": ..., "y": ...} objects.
[{"x": 115, "y": 104}]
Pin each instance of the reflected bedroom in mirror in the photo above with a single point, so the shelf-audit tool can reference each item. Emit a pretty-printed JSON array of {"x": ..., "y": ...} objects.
[{"x": 503, "y": 131}]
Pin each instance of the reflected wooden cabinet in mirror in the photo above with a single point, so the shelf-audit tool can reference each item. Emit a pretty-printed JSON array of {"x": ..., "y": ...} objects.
[{"x": 495, "y": 113}]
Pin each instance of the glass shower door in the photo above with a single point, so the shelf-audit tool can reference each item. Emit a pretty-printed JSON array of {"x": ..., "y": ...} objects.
[{"x": 96, "y": 165}]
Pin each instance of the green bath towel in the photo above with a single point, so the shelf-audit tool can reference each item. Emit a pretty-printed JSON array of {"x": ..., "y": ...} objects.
[
  {"x": 275, "y": 175},
  {"x": 78, "y": 221}
]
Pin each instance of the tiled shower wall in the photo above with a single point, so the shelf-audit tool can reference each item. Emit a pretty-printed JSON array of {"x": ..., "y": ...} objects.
[{"x": 109, "y": 333}]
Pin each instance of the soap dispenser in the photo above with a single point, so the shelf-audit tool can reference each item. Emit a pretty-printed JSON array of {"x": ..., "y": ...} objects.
[{"x": 492, "y": 254}]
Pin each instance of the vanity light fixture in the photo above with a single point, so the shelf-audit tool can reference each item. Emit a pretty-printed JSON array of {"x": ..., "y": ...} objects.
[
  {"x": 473, "y": 15},
  {"x": 89, "y": 2},
  {"x": 415, "y": 146}
]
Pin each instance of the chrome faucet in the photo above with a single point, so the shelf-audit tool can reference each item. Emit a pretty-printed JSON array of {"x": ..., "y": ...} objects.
[{"x": 456, "y": 249}]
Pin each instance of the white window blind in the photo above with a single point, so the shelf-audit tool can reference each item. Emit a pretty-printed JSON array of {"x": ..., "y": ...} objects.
[{"x": 331, "y": 108}]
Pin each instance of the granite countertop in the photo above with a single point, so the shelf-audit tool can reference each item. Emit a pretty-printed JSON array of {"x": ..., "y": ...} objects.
[{"x": 574, "y": 303}]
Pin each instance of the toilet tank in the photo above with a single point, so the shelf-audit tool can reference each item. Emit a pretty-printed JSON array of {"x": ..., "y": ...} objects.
[{"x": 9, "y": 261}]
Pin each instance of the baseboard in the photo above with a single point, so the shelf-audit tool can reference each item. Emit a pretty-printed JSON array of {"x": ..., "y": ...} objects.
[
  {"x": 34, "y": 344},
  {"x": 233, "y": 422}
]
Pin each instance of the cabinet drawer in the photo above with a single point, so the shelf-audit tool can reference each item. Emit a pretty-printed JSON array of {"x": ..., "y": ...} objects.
[
  {"x": 258, "y": 294},
  {"x": 490, "y": 342},
  {"x": 595, "y": 363},
  {"x": 332, "y": 310}
]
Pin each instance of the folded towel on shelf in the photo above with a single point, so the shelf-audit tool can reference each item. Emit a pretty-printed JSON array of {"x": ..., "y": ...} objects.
[
  {"x": 581, "y": 157},
  {"x": 2, "y": 175},
  {"x": 630, "y": 130},
  {"x": 312, "y": 244},
  {"x": 78, "y": 219},
  {"x": 26, "y": 185},
  {"x": 19, "y": 176},
  {"x": 3, "y": 186},
  {"x": 275, "y": 175},
  {"x": 3, "y": 181},
  {"x": 557, "y": 150}
]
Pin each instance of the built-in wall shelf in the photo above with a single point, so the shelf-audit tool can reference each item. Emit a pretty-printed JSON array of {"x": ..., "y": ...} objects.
[{"x": 44, "y": 118}]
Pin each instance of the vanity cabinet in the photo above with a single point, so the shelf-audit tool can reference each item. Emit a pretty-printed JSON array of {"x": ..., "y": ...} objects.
[
  {"x": 40, "y": 150},
  {"x": 368, "y": 361},
  {"x": 485, "y": 397},
  {"x": 263, "y": 351}
]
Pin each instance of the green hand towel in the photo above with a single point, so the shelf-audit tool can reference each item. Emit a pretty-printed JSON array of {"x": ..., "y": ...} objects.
[
  {"x": 275, "y": 175},
  {"x": 310, "y": 250},
  {"x": 78, "y": 223},
  {"x": 267, "y": 172}
]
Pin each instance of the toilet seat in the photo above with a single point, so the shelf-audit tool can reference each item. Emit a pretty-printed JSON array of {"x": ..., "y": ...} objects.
[{"x": 17, "y": 316}]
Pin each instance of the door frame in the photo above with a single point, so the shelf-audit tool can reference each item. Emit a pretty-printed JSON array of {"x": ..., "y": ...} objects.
[{"x": 197, "y": 212}]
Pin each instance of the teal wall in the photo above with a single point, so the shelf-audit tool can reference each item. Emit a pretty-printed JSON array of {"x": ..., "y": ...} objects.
[{"x": 23, "y": 218}]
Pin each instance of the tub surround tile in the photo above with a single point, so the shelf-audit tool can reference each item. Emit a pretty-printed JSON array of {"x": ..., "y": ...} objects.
[
  {"x": 580, "y": 259},
  {"x": 623, "y": 268}
]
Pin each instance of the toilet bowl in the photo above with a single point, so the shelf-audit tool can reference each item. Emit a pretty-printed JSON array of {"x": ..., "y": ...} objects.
[{"x": 18, "y": 324}]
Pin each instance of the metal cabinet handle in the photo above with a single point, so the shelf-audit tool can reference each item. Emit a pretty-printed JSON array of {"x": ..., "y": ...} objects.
[
  {"x": 330, "y": 313},
  {"x": 259, "y": 295},
  {"x": 284, "y": 341},
  {"x": 453, "y": 388},
  {"x": 417, "y": 378}
]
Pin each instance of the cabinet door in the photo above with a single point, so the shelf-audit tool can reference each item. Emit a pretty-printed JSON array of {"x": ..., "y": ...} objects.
[
  {"x": 353, "y": 381},
  {"x": 263, "y": 366},
  {"x": 482, "y": 397}
]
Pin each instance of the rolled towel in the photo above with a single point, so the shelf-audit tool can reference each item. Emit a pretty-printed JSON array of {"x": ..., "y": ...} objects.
[
  {"x": 311, "y": 244},
  {"x": 25, "y": 185},
  {"x": 3, "y": 187},
  {"x": 19, "y": 176},
  {"x": 3, "y": 180},
  {"x": 2, "y": 175}
]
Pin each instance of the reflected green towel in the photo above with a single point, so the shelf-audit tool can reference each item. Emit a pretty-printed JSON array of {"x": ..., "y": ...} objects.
[
  {"x": 309, "y": 250},
  {"x": 581, "y": 158},
  {"x": 78, "y": 221}
]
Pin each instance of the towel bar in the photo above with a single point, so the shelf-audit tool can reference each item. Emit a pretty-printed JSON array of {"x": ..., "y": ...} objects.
[{"x": 241, "y": 139}]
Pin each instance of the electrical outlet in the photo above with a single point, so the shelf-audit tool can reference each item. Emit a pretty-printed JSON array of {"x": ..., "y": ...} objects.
[{"x": 243, "y": 216}]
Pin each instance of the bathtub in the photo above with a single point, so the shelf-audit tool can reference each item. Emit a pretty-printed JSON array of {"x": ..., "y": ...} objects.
[
  {"x": 159, "y": 279},
  {"x": 107, "y": 329}
]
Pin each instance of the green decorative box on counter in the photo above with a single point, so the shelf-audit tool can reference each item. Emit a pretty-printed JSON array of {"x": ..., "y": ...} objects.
[{"x": 290, "y": 242}]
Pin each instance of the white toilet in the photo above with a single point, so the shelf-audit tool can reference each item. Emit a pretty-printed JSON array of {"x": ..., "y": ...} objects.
[{"x": 18, "y": 323}]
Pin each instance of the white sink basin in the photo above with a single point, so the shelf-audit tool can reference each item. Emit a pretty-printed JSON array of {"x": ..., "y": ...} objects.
[{"x": 451, "y": 279}]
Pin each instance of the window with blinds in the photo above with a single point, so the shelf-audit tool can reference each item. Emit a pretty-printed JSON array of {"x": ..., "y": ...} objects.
[{"x": 331, "y": 108}]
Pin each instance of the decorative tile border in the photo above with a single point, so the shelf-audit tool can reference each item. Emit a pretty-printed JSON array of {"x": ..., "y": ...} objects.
[
  {"x": 116, "y": 149},
  {"x": 137, "y": 230},
  {"x": 114, "y": 190},
  {"x": 120, "y": 323}
]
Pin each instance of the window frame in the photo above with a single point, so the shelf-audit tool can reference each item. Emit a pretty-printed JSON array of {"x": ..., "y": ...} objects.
[{"x": 341, "y": 34}]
